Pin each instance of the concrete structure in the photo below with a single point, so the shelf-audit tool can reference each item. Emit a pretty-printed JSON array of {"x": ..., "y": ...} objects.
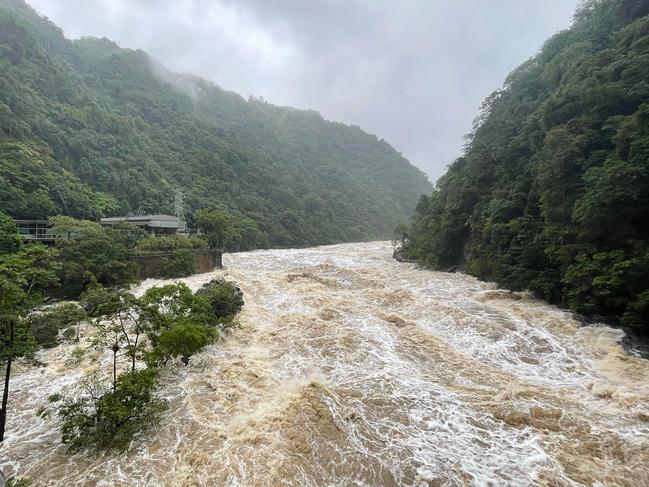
[
  {"x": 150, "y": 265},
  {"x": 157, "y": 225}
]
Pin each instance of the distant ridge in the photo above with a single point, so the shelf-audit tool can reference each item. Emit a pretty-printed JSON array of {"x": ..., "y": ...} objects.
[{"x": 90, "y": 129}]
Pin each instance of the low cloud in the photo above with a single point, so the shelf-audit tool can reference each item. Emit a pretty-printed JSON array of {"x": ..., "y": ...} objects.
[{"x": 411, "y": 71}]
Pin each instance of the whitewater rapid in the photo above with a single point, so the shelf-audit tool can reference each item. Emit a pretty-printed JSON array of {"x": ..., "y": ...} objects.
[{"x": 351, "y": 369}]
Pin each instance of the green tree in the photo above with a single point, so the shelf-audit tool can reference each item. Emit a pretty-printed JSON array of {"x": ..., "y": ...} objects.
[
  {"x": 120, "y": 327},
  {"x": 179, "y": 264},
  {"x": 176, "y": 322},
  {"x": 216, "y": 225},
  {"x": 24, "y": 277},
  {"x": 552, "y": 191},
  {"x": 92, "y": 254},
  {"x": 10, "y": 241},
  {"x": 45, "y": 325},
  {"x": 170, "y": 243},
  {"x": 93, "y": 298},
  {"x": 164, "y": 306},
  {"x": 112, "y": 419},
  {"x": 184, "y": 339}
]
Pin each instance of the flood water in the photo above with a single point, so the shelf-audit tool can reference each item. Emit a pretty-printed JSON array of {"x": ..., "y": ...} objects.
[{"x": 351, "y": 369}]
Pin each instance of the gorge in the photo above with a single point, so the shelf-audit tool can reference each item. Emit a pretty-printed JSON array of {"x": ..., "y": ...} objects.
[{"x": 353, "y": 369}]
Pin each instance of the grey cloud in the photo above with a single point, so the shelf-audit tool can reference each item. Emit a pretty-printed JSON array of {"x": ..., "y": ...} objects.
[{"x": 411, "y": 71}]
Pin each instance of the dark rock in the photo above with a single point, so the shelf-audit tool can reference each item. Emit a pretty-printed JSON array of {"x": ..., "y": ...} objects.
[{"x": 400, "y": 257}]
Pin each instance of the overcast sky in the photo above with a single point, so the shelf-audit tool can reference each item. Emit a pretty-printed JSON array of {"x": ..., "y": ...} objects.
[{"x": 411, "y": 71}]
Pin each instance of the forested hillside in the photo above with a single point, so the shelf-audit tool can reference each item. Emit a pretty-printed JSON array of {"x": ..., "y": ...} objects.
[
  {"x": 552, "y": 192},
  {"x": 88, "y": 129}
]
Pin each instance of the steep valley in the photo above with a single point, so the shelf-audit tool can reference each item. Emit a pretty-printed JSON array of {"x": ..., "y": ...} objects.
[{"x": 353, "y": 369}]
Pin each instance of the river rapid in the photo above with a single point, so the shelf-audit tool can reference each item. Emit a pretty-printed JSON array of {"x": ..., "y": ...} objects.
[{"x": 351, "y": 369}]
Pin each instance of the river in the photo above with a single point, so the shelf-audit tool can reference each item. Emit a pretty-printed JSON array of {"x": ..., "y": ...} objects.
[{"x": 351, "y": 369}]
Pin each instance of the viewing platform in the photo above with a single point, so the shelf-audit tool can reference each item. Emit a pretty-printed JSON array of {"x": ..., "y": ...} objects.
[{"x": 40, "y": 231}]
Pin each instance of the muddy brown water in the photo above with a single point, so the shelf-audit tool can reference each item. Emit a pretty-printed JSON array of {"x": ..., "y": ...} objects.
[{"x": 351, "y": 369}]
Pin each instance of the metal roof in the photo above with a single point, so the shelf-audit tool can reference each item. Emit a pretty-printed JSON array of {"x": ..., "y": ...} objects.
[
  {"x": 30, "y": 222},
  {"x": 139, "y": 218}
]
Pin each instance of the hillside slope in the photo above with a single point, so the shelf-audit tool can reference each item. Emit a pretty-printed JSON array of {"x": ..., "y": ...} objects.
[
  {"x": 552, "y": 192},
  {"x": 90, "y": 129}
]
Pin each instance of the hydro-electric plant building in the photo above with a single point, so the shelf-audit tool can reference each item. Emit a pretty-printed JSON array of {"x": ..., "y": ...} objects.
[{"x": 157, "y": 225}]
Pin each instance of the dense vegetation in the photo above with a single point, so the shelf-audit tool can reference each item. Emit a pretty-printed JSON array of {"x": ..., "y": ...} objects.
[
  {"x": 116, "y": 405},
  {"x": 88, "y": 129},
  {"x": 142, "y": 334},
  {"x": 552, "y": 192},
  {"x": 26, "y": 272}
]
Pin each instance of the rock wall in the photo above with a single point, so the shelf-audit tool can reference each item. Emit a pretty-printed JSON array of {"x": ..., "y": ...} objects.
[{"x": 151, "y": 264}]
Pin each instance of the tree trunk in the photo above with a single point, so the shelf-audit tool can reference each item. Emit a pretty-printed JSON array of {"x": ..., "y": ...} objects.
[
  {"x": 137, "y": 337},
  {"x": 115, "y": 368},
  {"x": 5, "y": 393}
]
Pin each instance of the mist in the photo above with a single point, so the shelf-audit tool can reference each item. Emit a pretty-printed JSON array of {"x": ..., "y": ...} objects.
[{"x": 412, "y": 72}]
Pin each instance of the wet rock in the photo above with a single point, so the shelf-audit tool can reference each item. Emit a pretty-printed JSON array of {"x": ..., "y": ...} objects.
[
  {"x": 399, "y": 256},
  {"x": 501, "y": 294},
  {"x": 538, "y": 417},
  {"x": 328, "y": 314},
  {"x": 396, "y": 320},
  {"x": 642, "y": 416},
  {"x": 451, "y": 268},
  {"x": 529, "y": 360},
  {"x": 635, "y": 344}
]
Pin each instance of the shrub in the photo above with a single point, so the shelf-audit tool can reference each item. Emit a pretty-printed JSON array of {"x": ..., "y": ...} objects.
[
  {"x": 70, "y": 333},
  {"x": 94, "y": 298},
  {"x": 116, "y": 417},
  {"x": 225, "y": 297},
  {"x": 45, "y": 325},
  {"x": 179, "y": 264},
  {"x": 184, "y": 340},
  {"x": 19, "y": 482},
  {"x": 170, "y": 243},
  {"x": 77, "y": 356},
  {"x": 177, "y": 322},
  {"x": 54, "y": 397}
]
